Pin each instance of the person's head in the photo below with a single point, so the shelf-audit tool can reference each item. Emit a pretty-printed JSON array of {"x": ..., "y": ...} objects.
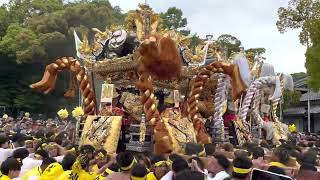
[
  {"x": 114, "y": 167},
  {"x": 257, "y": 153},
  {"x": 249, "y": 146},
  {"x": 53, "y": 150},
  {"x": 29, "y": 145},
  {"x": 310, "y": 144},
  {"x": 60, "y": 138},
  {"x": 101, "y": 157},
  {"x": 194, "y": 149},
  {"x": 143, "y": 159},
  {"x": 159, "y": 166},
  {"x": 39, "y": 134},
  {"x": 264, "y": 144},
  {"x": 41, "y": 154},
  {"x": 199, "y": 162},
  {"x": 308, "y": 167},
  {"x": 281, "y": 155},
  {"x": 228, "y": 147},
  {"x": 68, "y": 161},
  {"x": 87, "y": 150},
  {"x": 190, "y": 175},
  {"x": 179, "y": 165},
  {"x": 276, "y": 170},
  {"x": 309, "y": 157},
  {"x": 317, "y": 143},
  {"x": 126, "y": 161},
  {"x": 20, "y": 154},
  {"x": 210, "y": 149},
  {"x": 46, "y": 162},
  {"x": 242, "y": 153},
  {"x": 172, "y": 157},
  {"x": 139, "y": 171},
  {"x": 218, "y": 163},
  {"x": 241, "y": 167},
  {"x": 11, "y": 167},
  {"x": 19, "y": 140},
  {"x": 4, "y": 141}
]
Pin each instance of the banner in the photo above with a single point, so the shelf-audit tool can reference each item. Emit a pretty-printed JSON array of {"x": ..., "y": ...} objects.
[{"x": 106, "y": 97}]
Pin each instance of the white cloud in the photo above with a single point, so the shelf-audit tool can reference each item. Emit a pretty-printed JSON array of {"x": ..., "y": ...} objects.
[
  {"x": 3, "y": 1},
  {"x": 252, "y": 21}
]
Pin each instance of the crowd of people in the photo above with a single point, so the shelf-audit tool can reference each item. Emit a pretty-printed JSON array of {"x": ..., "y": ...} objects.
[{"x": 44, "y": 150}]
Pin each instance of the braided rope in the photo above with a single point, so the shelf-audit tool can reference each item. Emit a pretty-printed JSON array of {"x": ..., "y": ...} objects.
[
  {"x": 216, "y": 67},
  {"x": 256, "y": 107},
  {"x": 49, "y": 78},
  {"x": 219, "y": 100},
  {"x": 148, "y": 98},
  {"x": 277, "y": 101},
  {"x": 255, "y": 86},
  {"x": 279, "y": 127}
]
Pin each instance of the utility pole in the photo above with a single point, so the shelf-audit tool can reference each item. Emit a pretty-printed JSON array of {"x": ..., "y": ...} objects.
[{"x": 309, "y": 122}]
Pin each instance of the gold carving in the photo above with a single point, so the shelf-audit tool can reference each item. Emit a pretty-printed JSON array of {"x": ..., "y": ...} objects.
[{"x": 102, "y": 132}]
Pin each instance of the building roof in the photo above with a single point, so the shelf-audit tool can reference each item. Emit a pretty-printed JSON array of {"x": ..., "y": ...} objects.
[
  {"x": 311, "y": 95},
  {"x": 294, "y": 111},
  {"x": 314, "y": 109}
]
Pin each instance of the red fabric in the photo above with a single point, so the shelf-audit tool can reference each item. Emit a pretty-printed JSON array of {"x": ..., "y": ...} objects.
[
  {"x": 228, "y": 118},
  {"x": 126, "y": 122},
  {"x": 265, "y": 119},
  {"x": 117, "y": 111}
]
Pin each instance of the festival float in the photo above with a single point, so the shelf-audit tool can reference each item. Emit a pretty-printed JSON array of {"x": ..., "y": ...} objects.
[{"x": 171, "y": 94}]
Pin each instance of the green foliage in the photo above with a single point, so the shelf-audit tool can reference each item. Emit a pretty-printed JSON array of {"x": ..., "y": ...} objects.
[
  {"x": 20, "y": 11},
  {"x": 305, "y": 15},
  {"x": 299, "y": 75},
  {"x": 312, "y": 65},
  {"x": 194, "y": 41},
  {"x": 256, "y": 51},
  {"x": 49, "y": 29},
  {"x": 291, "y": 98},
  {"x": 25, "y": 51},
  {"x": 229, "y": 43},
  {"x": 33, "y": 33},
  {"x": 4, "y": 22},
  {"x": 300, "y": 14},
  {"x": 173, "y": 19}
]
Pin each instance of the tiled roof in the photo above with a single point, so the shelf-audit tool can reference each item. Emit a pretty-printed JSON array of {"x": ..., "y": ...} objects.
[
  {"x": 294, "y": 111},
  {"x": 314, "y": 109},
  {"x": 312, "y": 95}
]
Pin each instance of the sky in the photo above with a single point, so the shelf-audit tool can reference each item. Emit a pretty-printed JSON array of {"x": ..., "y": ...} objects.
[{"x": 251, "y": 21}]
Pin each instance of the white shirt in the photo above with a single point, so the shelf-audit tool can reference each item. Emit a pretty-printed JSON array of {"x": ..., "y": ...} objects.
[
  {"x": 168, "y": 176},
  {"x": 59, "y": 158},
  {"x": 219, "y": 176},
  {"x": 29, "y": 163},
  {"x": 4, "y": 154}
]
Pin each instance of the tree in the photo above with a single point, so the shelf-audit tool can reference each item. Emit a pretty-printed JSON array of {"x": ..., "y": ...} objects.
[
  {"x": 3, "y": 20},
  {"x": 33, "y": 33},
  {"x": 300, "y": 14},
  {"x": 291, "y": 98},
  {"x": 299, "y": 75},
  {"x": 305, "y": 15},
  {"x": 312, "y": 65},
  {"x": 229, "y": 43},
  {"x": 256, "y": 51},
  {"x": 194, "y": 41},
  {"x": 47, "y": 33},
  {"x": 173, "y": 19}
]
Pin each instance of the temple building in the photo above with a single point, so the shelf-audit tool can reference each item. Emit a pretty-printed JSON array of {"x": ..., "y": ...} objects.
[{"x": 298, "y": 114}]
